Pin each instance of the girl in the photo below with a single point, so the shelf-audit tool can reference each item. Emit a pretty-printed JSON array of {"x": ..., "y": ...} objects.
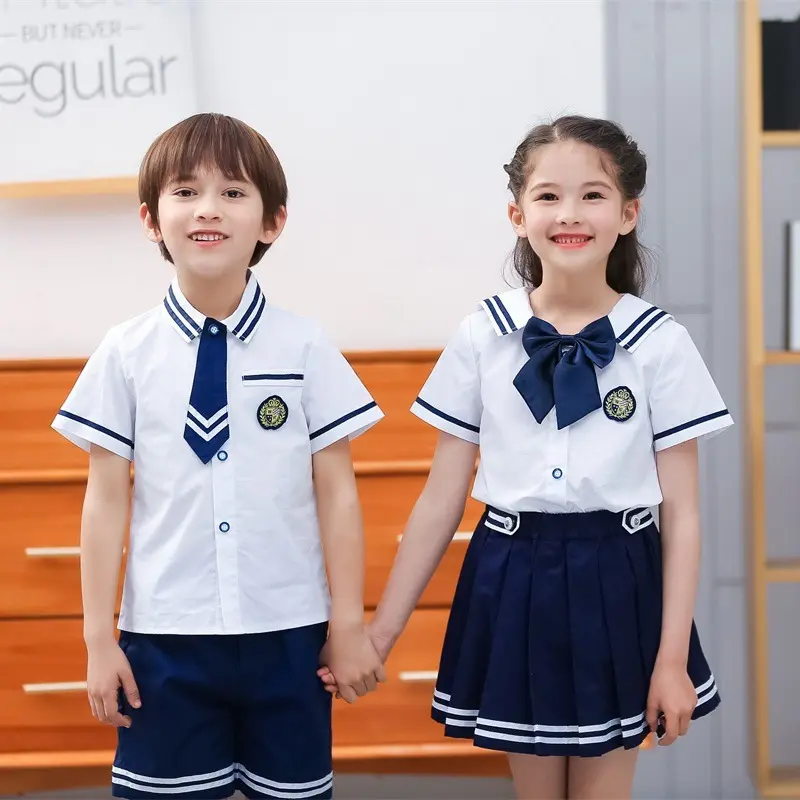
[{"x": 571, "y": 637}]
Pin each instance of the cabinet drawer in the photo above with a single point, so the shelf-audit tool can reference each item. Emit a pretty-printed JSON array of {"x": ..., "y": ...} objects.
[
  {"x": 31, "y": 398},
  {"x": 40, "y": 557},
  {"x": 387, "y": 501},
  {"x": 394, "y": 384},
  {"x": 43, "y": 703},
  {"x": 399, "y": 711},
  {"x": 39, "y": 553}
]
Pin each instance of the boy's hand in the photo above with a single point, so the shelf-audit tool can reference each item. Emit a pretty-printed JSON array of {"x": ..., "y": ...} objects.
[
  {"x": 350, "y": 656},
  {"x": 673, "y": 696},
  {"x": 382, "y": 647},
  {"x": 108, "y": 669}
]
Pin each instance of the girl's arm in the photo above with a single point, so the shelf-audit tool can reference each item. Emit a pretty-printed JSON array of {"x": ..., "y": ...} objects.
[
  {"x": 432, "y": 524},
  {"x": 104, "y": 521},
  {"x": 671, "y": 689}
]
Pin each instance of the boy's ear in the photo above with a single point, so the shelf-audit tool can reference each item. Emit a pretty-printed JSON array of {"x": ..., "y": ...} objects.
[
  {"x": 150, "y": 229},
  {"x": 273, "y": 229}
]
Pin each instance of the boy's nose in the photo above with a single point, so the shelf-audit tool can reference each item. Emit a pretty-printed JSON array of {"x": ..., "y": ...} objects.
[{"x": 206, "y": 211}]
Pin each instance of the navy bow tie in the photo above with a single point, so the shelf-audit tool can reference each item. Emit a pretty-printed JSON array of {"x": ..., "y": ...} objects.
[{"x": 560, "y": 369}]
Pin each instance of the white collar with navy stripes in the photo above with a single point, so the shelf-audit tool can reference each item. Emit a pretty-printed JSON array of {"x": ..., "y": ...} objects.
[
  {"x": 188, "y": 321},
  {"x": 632, "y": 318}
]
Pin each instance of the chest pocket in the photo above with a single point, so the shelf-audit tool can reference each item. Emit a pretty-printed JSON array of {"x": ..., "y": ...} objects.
[{"x": 275, "y": 396}]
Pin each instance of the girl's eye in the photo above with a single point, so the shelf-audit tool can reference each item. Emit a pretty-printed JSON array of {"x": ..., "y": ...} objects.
[
  {"x": 183, "y": 193},
  {"x": 594, "y": 196},
  {"x": 546, "y": 196},
  {"x": 234, "y": 193}
]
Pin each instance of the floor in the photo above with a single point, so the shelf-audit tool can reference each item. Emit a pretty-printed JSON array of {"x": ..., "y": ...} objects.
[{"x": 364, "y": 787}]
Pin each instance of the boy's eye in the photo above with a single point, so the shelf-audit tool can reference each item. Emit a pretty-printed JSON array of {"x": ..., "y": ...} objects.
[
  {"x": 183, "y": 192},
  {"x": 234, "y": 193}
]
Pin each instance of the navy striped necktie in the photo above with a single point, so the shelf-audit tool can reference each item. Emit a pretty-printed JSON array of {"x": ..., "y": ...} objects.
[{"x": 207, "y": 419}]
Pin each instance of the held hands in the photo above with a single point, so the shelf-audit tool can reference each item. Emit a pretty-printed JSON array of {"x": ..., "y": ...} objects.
[
  {"x": 352, "y": 662},
  {"x": 108, "y": 669},
  {"x": 671, "y": 702}
]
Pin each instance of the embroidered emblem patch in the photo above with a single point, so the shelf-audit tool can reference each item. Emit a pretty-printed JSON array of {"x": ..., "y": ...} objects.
[
  {"x": 272, "y": 413},
  {"x": 619, "y": 404}
]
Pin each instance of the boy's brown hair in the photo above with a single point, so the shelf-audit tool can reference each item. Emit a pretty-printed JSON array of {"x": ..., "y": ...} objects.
[{"x": 219, "y": 142}]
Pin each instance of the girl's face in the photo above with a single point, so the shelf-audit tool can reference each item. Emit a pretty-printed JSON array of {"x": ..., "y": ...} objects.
[{"x": 571, "y": 211}]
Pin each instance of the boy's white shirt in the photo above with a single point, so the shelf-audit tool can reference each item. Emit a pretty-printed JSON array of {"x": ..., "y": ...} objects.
[{"x": 232, "y": 546}]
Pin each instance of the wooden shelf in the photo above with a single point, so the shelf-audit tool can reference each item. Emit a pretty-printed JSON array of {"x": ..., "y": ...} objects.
[
  {"x": 17, "y": 477},
  {"x": 780, "y": 138},
  {"x": 787, "y": 571},
  {"x": 783, "y": 782},
  {"x": 775, "y": 358},
  {"x": 122, "y": 185},
  {"x": 763, "y": 573}
]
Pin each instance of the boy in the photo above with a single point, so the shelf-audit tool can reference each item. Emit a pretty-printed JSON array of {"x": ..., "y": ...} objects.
[{"x": 237, "y": 418}]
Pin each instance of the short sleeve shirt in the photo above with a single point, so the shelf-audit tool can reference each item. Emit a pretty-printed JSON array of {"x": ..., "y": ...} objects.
[
  {"x": 233, "y": 545},
  {"x": 656, "y": 393}
]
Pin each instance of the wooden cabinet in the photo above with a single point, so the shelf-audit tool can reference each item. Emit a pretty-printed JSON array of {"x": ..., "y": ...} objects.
[
  {"x": 48, "y": 738},
  {"x": 399, "y": 712},
  {"x": 43, "y": 703}
]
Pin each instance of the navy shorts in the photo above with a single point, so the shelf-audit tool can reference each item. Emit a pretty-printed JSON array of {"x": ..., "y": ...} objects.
[{"x": 225, "y": 713}]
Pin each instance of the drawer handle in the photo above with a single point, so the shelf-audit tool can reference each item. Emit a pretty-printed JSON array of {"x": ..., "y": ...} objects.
[
  {"x": 52, "y": 552},
  {"x": 54, "y": 688},
  {"x": 459, "y": 536},
  {"x": 419, "y": 676}
]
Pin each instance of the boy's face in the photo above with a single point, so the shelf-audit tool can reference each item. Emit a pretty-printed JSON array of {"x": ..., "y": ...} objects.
[{"x": 211, "y": 224}]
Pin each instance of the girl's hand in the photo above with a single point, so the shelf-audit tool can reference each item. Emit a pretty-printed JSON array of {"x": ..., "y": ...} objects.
[
  {"x": 326, "y": 676},
  {"x": 673, "y": 697},
  {"x": 381, "y": 644}
]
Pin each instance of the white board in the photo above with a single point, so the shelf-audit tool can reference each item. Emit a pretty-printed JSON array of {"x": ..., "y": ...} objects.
[
  {"x": 85, "y": 85},
  {"x": 794, "y": 285}
]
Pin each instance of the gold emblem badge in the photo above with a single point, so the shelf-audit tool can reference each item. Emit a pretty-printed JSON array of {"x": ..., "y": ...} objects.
[
  {"x": 619, "y": 404},
  {"x": 272, "y": 413}
]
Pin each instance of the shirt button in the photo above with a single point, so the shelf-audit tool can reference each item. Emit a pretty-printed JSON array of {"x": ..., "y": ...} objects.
[
  {"x": 224, "y": 527},
  {"x": 222, "y": 455},
  {"x": 557, "y": 473}
]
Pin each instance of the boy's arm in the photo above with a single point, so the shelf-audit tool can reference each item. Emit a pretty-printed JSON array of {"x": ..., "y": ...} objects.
[
  {"x": 103, "y": 525},
  {"x": 348, "y": 652}
]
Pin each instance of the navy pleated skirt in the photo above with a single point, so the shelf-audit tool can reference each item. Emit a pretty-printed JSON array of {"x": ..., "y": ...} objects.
[{"x": 553, "y": 635}]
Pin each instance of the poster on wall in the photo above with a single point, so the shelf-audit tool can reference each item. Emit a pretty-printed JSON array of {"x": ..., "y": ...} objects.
[{"x": 85, "y": 85}]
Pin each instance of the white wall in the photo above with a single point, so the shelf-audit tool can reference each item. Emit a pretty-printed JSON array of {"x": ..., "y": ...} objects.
[{"x": 392, "y": 120}]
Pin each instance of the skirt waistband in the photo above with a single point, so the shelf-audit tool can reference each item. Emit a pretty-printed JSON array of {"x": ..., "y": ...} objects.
[{"x": 577, "y": 525}]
